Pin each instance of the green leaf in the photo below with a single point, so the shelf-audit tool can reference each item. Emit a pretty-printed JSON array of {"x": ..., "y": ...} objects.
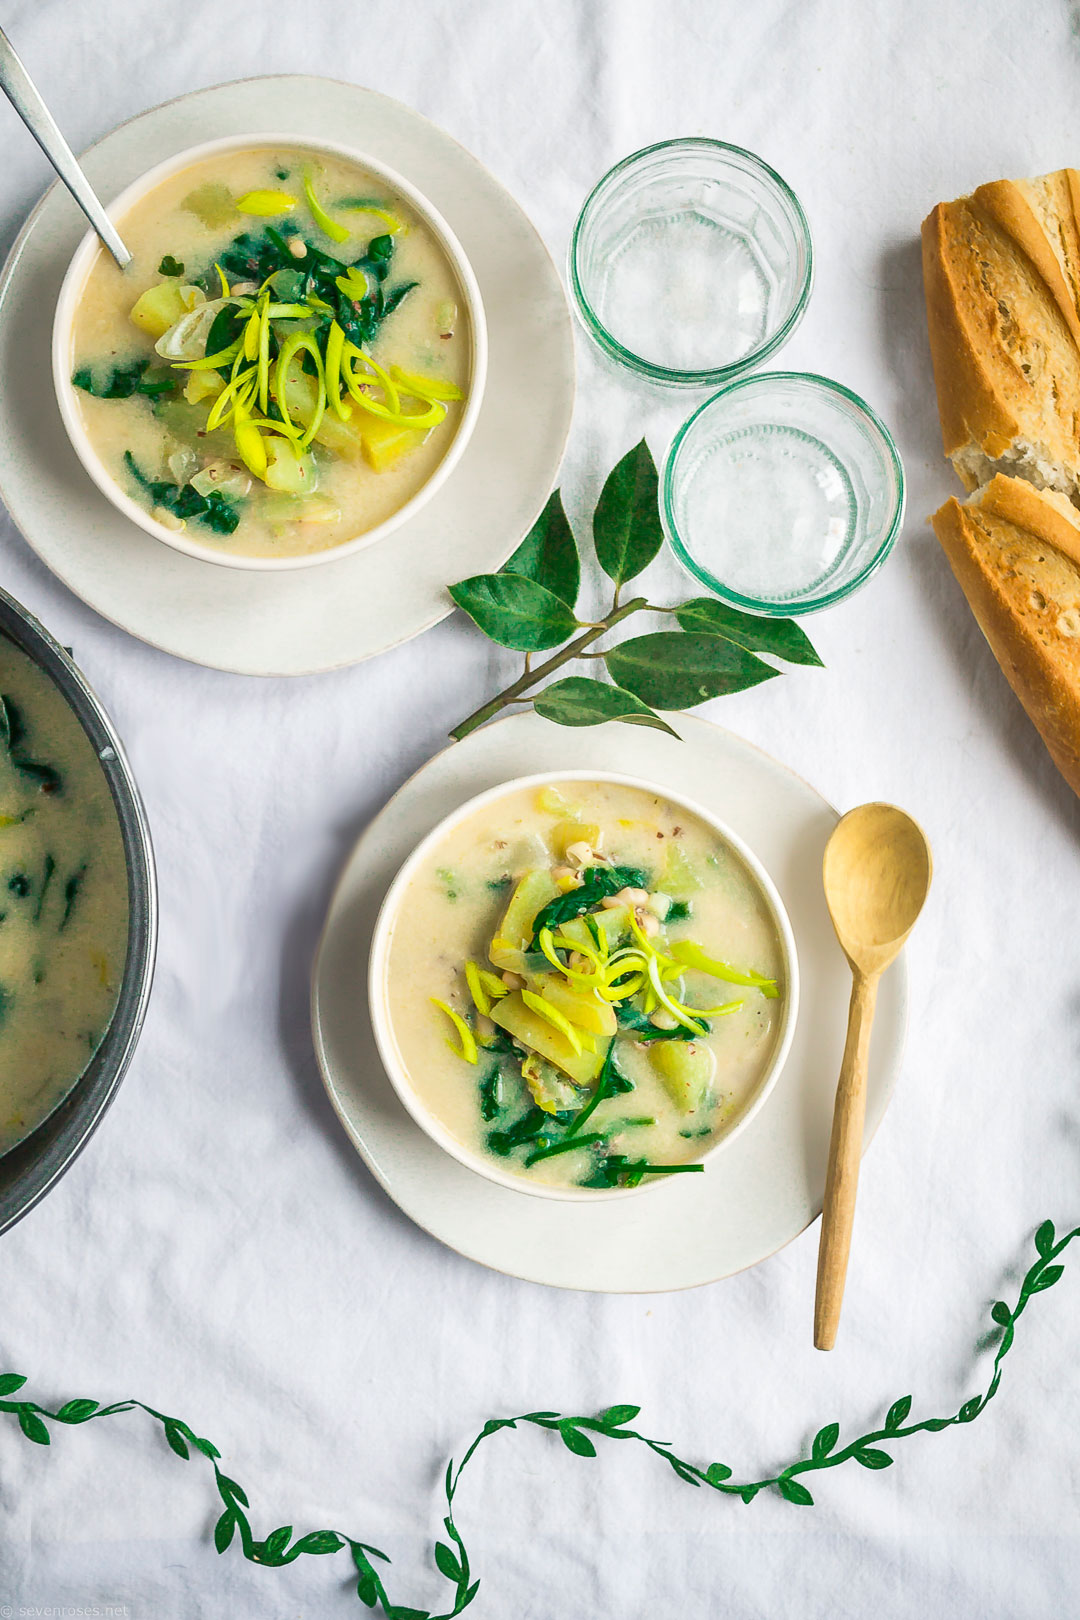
[
  {"x": 277, "y": 1541},
  {"x": 399, "y": 1612},
  {"x": 1045, "y": 1279},
  {"x": 970, "y": 1409},
  {"x": 673, "y": 669},
  {"x": 176, "y": 1440},
  {"x": 549, "y": 554},
  {"x": 935, "y": 1425},
  {"x": 1001, "y": 1313},
  {"x": 367, "y": 1591},
  {"x": 170, "y": 266},
  {"x": 10, "y": 1382},
  {"x": 580, "y": 701},
  {"x": 781, "y": 638},
  {"x": 748, "y": 1492},
  {"x": 716, "y": 1473},
  {"x": 230, "y": 1487},
  {"x": 626, "y": 524},
  {"x": 792, "y": 1491},
  {"x": 613, "y": 1417},
  {"x": 575, "y": 1441},
  {"x": 207, "y": 1447},
  {"x": 824, "y": 1441},
  {"x": 319, "y": 1542},
  {"x": 223, "y": 1530},
  {"x": 33, "y": 1428},
  {"x": 515, "y": 611},
  {"x": 870, "y": 1458},
  {"x": 447, "y": 1560},
  {"x": 1044, "y": 1238},
  {"x": 77, "y": 1411},
  {"x": 898, "y": 1412}
]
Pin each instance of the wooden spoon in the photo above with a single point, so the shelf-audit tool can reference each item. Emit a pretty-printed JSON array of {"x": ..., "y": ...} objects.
[{"x": 876, "y": 871}]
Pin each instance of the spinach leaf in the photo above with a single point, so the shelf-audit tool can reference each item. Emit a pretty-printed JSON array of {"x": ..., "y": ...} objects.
[
  {"x": 170, "y": 266},
  {"x": 635, "y": 1021},
  {"x": 395, "y": 295},
  {"x": 215, "y": 510},
  {"x": 610, "y": 1082},
  {"x": 490, "y": 1089},
  {"x": 679, "y": 910},
  {"x": 136, "y": 377},
  {"x": 597, "y": 882}
]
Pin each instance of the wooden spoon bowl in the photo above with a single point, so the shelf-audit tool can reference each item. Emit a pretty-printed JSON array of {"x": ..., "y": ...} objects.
[{"x": 877, "y": 872}]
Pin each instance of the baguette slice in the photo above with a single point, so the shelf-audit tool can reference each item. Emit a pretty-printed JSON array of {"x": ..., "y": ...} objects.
[
  {"x": 1015, "y": 551},
  {"x": 1002, "y": 276}
]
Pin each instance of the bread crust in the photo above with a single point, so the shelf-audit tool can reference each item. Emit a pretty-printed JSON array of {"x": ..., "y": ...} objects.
[
  {"x": 1002, "y": 276},
  {"x": 1015, "y": 552}
]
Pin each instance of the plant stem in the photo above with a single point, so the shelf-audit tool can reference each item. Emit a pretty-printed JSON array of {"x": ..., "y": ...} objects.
[{"x": 531, "y": 677}]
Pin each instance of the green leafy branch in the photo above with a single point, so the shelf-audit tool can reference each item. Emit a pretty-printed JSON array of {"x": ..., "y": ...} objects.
[
  {"x": 578, "y": 1434},
  {"x": 530, "y": 606}
]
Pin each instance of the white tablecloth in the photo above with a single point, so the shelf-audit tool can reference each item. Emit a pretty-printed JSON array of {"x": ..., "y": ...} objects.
[{"x": 220, "y": 1252}]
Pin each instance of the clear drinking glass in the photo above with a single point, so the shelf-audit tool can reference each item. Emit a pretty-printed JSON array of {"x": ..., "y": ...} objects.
[
  {"x": 691, "y": 262},
  {"x": 783, "y": 493}
]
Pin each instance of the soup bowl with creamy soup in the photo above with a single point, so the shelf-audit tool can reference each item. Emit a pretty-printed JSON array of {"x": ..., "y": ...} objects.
[
  {"x": 290, "y": 366},
  {"x": 582, "y": 985},
  {"x": 78, "y": 911}
]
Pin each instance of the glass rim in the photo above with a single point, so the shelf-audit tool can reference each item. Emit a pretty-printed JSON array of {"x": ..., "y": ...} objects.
[
  {"x": 812, "y": 604},
  {"x": 709, "y": 375}
]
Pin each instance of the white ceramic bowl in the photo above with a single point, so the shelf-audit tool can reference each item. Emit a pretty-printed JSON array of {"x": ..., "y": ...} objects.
[
  {"x": 71, "y": 292},
  {"x": 379, "y": 1000}
]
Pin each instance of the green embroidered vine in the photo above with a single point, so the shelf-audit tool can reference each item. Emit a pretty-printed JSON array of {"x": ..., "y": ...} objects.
[{"x": 578, "y": 1434}]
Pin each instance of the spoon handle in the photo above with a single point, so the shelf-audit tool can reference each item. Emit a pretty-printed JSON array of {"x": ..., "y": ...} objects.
[
  {"x": 25, "y": 97},
  {"x": 845, "y": 1155}
]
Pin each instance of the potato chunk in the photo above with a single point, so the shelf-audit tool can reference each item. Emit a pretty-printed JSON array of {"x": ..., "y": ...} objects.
[
  {"x": 687, "y": 1069},
  {"x": 583, "y": 1008},
  {"x": 534, "y": 1032},
  {"x": 534, "y": 890}
]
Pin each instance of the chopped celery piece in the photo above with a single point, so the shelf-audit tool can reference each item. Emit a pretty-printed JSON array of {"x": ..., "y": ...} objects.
[
  {"x": 213, "y": 203},
  {"x": 687, "y": 1069},
  {"x": 552, "y": 802},
  {"x": 549, "y": 1090},
  {"x": 612, "y": 922},
  {"x": 287, "y": 472},
  {"x": 537, "y": 1034},
  {"x": 300, "y": 509},
  {"x": 679, "y": 878}
]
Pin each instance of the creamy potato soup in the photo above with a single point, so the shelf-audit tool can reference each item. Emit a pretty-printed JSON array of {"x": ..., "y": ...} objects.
[
  {"x": 585, "y": 985},
  {"x": 282, "y": 366},
  {"x": 63, "y": 898}
]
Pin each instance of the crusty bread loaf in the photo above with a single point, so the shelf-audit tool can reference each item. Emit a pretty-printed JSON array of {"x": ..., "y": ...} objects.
[
  {"x": 1002, "y": 275},
  {"x": 1015, "y": 551}
]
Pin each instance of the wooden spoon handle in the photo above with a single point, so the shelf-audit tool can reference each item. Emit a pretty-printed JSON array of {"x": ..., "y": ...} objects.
[{"x": 845, "y": 1154}]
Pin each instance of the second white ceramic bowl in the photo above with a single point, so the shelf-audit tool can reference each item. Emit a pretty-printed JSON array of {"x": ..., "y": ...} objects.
[
  {"x": 379, "y": 999},
  {"x": 71, "y": 292}
]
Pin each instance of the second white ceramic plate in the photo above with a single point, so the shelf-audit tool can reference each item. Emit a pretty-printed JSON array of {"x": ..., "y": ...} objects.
[
  {"x": 755, "y": 1196},
  {"x": 343, "y": 611}
]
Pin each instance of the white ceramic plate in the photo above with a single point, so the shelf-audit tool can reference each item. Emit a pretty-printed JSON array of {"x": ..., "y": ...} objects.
[
  {"x": 347, "y": 610},
  {"x": 764, "y": 1189}
]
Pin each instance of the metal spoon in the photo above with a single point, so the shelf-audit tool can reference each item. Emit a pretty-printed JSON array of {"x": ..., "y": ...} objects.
[
  {"x": 25, "y": 97},
  {"x": 876, "y": 871}
]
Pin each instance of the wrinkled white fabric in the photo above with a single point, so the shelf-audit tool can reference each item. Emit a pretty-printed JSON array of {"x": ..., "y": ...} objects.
[{"x": 221, "y": 1253}]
